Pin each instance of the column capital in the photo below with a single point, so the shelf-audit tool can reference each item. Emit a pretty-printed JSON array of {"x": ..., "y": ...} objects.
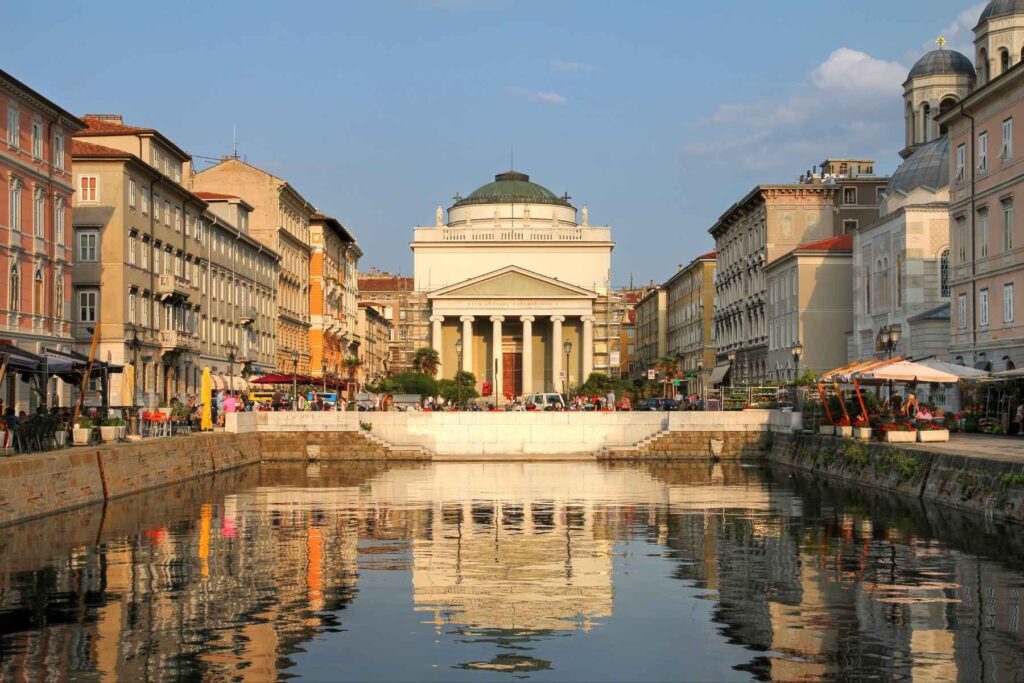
[
  {"x": 587, "y": 318},
  {"x": 467, "y": 319},
  {"x": 497, "y": 318},
  {"x": 437, "y": 318},
  {"x": 558, "y": 318},
  {"x": 526, "y": 318}
]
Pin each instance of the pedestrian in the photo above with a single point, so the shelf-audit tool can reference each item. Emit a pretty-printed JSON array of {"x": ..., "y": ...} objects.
[{"x": 609, "y": 400}]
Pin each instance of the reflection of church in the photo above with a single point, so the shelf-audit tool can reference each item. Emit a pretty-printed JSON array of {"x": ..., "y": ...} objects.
[{"x": 520, "y": 283}]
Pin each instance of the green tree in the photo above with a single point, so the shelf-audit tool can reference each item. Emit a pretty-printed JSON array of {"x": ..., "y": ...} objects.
[
  {"x": 669, "y": 369},
  {"x": 416, "y": 383},
  {"x": 351, "y": 365},
  {"x": 463, "y": 387},
  {"x": 426, "y": 361},
  {"x": 597, "y": 384}
]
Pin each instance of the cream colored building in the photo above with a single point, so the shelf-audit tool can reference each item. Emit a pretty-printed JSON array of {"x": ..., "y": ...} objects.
[
  {"x": 690, "y": 312},
  {"x": 280, "y": 220},
  {"x": 375, "y": 334},
  {"x": 809, "y": 301},
  {"x": 651, "y": 330},
  {"x": 515, "y": 275},
  {"x": 404, "y": 307},
  {"x": 333, "y": 294}
]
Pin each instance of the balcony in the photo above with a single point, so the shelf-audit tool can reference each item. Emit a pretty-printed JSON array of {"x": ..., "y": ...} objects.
[
  {"x": 247, "y": 315},
  {"x": 172, "y": 340},
  {"x": 171, "y": 287}
]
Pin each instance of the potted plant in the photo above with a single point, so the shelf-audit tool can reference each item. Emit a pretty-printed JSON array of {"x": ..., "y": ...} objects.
[
  {"x": 826, "y": 428},
  {"x": 81, "y": 434},
  {"x": 843, "y": 427},
  {"x": 899, "y": 431},
  {"x": 861, "y": 428},
  {"x": 110, "y": 429},
  {"x": 928, "y": 432}
]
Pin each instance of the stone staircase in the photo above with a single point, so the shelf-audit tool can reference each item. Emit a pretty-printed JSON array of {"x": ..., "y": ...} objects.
[
  {"x": 398, "y": 452},
  {"x": 335, "y": 445},
  {"x": 688, "y": 445}
]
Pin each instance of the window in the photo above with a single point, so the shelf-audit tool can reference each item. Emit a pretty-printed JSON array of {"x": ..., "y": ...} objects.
[
  {"x": 131, "y": 306},
  {"x": 87, "y": 188},
  {"x": 87, "y": 302},
  {"x": 131, "y": 193},
  {"x": 167, "y": 212},
  {"x": 961, "y": 240},
  {"x": 1008, "y": 225},
  {"x": 961, "y": 311},
  {"x": 177, "y": 265},
  {"x": 14, "y": 289},
  {"x": 983, "y": 232},
  {"x": 867, "y": 289},
  {"x": 879, "y": 195},
  {"x": 58, "y": 296},
  {"x": 13, "y": 127},
  {"x": 14, "y": 204},
  {"x": 167, "y": 259},
  {"x": 132, "y": 249},
  {"x": 156, "y": 314},
  {"x": 631, "y": 333},
  {"x": 38, "y": 292},
  {"x": 58, "y": 151},
  {"x": 1008, "y": 302},
  {"x": 39, "y": 212},
  {"x": 156, "y": 207},
  {"x": 177, "y": 219},
  {"x": 60, "y": 216},
  {"x": 1006, "y": 152},
  {"x": 849, "y": 195},
  {"x": 849, "y": 225},
  {"x": 899, "y": 281},
  {"x": 145, "y": 200},
  {"x": 982, "y": 151},
  {"x": 37, "y": 140},
  {"x": 145, "y": 253},
  {"x": 144, "y": 312},
  {"x": 944, "y": 274},
  {"x": 961, "y": 154},
  {"x": 983, "y": 307},
  {"x": 88, "y": 243}
]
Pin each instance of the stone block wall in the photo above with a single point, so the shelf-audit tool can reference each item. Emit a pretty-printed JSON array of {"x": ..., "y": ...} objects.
[
  {"x": 35, "y": 485},
  {"x": 695, "y": 445}
]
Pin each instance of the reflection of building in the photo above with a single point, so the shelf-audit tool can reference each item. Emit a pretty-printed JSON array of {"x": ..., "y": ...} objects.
[{"x": 514, "y": 276}]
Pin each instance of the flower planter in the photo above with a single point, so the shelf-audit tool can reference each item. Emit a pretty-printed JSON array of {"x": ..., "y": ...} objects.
[
  {"x": 826, "y": 430},
  {"x": 844, "y": 431},
  {"x": 81, "y": 437},
  {"x": 862, "y": 433},
  {"x": 60, "y": 437},
  {"x": 932, "y": 435},
  {"x": 109, "y": 433},
  {"x": 900, "y": 437}
]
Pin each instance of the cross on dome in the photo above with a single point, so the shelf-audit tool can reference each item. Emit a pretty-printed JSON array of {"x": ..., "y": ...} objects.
[{"x": 941, "y": 42}]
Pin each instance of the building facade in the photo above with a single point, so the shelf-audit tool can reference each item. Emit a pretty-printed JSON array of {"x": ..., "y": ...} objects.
[
  {"x": 690, "y": 313},
  {"x": 280, "y": 220},
  {"x": 395, "y": 298},
  {"x": 36, "y": 191},
  {"x": 521, "y": 283},
  {"x": 375, "y": 350},
  {"x": 986, "y": 182},
  {"x": 810, "y": 301},
  {"x": 651, "y": 330},
  {"x": 333, "y": 294}
]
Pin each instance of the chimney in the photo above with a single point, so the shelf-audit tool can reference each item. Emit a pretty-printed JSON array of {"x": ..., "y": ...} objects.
[{"x": 106, "y": 118}]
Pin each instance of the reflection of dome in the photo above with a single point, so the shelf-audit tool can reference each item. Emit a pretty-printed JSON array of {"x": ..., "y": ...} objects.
[
  {"x": 939, "y": 62},
  {"x": 512, "y": 187},
  {"x": 928, "y": 167},
  {"x": 999, "y": 8}
]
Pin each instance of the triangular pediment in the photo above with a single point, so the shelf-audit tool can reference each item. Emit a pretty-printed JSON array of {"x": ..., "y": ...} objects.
[{"x": 513, "y": 282}]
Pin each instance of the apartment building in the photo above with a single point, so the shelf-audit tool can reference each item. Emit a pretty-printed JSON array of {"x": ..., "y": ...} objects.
[
  {"x": 280, "y": 220},
  {"x": 333, "y": 294},
  {"x": 690, "y": 311},
  {"x": 651, "y": 330},
  {"x": 36, "y": 190},
  {"x": 395, "y": 298},
  {"x": 374, "y": 351}
]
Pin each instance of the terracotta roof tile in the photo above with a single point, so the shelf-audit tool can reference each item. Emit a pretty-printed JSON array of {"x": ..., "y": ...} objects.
[
  {"x": 95, "y": 126},
  {"x": 840, "y": 243},
  {"x": 385, "y": 284},
  {"x": 83, "y": 148},
  {"x": 216, "y": 195},
  {"x": 710, "y": 255}
]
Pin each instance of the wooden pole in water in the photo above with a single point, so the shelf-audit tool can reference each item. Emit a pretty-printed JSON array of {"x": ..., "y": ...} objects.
[{"x": 85, "y": 377}]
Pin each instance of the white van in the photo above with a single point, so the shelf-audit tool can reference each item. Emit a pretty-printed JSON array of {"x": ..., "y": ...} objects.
[{"x": 544, "y": 401}]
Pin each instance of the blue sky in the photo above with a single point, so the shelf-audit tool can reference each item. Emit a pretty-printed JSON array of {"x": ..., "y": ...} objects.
[{"x": 656, "y": 115}]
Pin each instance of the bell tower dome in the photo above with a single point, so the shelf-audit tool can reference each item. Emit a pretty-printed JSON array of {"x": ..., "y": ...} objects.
[
  {"x": 935, "y": 84},
  {"x": 999, "y": 39}
]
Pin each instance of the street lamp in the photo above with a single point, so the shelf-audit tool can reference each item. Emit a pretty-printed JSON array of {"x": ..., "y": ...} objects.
[
  {"x": 567, "y": 346},
  {"x": 798, "y": 350},
  {"x": 295, "y": 379},
  {"x": 231, "y": 370},
  {"x": 732, "y": 361},
  {"x": 458, "y": 370},
  {"x": 890, "y": 337},
  {"x": 700, "y": 375},
  {"x": 323, "y": 373}
]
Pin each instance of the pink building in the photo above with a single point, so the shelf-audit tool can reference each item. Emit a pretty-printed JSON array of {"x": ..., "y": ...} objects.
[{"x": 36, "y": 190}]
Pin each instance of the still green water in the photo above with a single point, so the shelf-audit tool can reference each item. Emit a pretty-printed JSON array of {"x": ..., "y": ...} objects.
[{"x": 539, "y": 571}]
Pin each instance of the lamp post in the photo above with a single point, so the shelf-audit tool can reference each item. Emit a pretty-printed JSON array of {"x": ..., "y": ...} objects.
[
  {"x": 567, "y": 346},
  {"x": 458, "y": 371},
  {"x": 890, "y": 337},
  {"x": 134, "y": 344},
  {"x": 700, "y": 375},
  {"x": 323, "y": 373},
  {"x": 732, "y": 361},
  {"x": 231, "y": 369},
  {"x": 295, "y": 379},
  {"x": 798, "y": 350}
]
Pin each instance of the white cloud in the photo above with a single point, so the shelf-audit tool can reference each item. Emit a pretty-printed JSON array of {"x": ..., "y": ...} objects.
[
  {"x": 536, "y": 95},
  {"x": 855, "y": 72},
  {"x": 959, "y": 32},
  {"x": 571, "y": 67}
]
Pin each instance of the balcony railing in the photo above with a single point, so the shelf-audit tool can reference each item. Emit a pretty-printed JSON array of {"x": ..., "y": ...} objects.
[
  {"x": 247, "y": 315},
  {"x": 173, "y": 340},
  {"x": 172, "y": 286}
]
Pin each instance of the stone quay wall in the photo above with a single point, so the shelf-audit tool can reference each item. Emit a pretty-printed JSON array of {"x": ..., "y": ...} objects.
[{"x": 992, "y": 487}]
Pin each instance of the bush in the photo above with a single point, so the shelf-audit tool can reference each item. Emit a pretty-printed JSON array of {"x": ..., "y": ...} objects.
[
  {"x": 85, "y": 423},
  {"x": 415, "y": 383},
  {"x": 112, "y": 422}
]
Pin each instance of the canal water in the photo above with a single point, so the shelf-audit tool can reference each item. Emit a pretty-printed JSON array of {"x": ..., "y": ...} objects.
[{"x": 496, "y": 572}]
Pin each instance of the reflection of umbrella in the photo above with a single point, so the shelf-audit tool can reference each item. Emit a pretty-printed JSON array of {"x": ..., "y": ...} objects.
[
  {"x": 206, "y": 421},
  {"x": 128, "y": 386}
]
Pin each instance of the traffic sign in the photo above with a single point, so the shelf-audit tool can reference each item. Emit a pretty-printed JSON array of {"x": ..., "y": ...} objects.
[
  {"x": 561, "y": 375},
  {"x": 652, "y": 374}
]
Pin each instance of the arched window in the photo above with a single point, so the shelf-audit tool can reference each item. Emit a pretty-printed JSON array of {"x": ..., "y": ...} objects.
[
  {"x": 885, "y": 285},
  {"x": 1004, "y": 61},
  {"x": 944, "y": 274},
  {"x": 899, "y": 281},
  {"x": 946, "y": 105},
  {"x": 909, "y": 117},
  {"x": 38, "y": 292},
  {"x": 926, "y": 122},
  {"x": 867, "y": 289},
  {"x": 14, "y": 289},
  {"x": 58, "y": 296},
  {"x": 981, "y": 66}
]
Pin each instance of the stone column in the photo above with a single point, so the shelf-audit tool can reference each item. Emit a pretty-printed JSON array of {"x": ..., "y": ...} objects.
[
  {"x": 588, "y": 347},
  {"x": 557, "y": 383},
  {"x": 435, "y": 341},
  {"x": 467, "y": 343},
  {"x": 497, "y": 360},
  {"x": 527, "y": 321}
]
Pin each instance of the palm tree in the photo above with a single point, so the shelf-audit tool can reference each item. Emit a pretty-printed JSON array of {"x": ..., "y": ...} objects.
[
  {"x": 426, "y": 361},
  {"x": 351, "y": 365},
  {"x": 669, "y": 369}
]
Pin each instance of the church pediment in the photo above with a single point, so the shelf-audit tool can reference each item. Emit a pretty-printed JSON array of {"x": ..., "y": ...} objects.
[{"x": 513, "y": 282}]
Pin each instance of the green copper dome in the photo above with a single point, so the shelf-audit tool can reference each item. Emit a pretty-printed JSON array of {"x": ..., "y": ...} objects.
[{"x": 512, "y": 187}]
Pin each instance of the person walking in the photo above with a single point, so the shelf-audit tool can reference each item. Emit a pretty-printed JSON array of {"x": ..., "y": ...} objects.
[{"x": 610, "y": 400}]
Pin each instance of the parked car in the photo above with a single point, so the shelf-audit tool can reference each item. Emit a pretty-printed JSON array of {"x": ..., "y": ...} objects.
[
  {"x": 544, "y": 401},
  {"x": 657, "y": 404}
]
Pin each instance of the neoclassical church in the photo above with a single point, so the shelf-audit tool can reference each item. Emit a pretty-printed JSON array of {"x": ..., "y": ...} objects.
[{"x": 515, "y": 287}]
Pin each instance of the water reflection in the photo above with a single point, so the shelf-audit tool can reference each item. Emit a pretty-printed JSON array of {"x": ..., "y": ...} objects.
[{"x": 547, "y": 571}]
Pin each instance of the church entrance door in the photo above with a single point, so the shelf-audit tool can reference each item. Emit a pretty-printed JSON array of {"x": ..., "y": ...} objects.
[{"x": 512, "y": 373}]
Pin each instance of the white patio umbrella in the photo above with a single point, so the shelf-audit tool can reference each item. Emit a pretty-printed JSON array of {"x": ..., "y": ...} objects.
[
  {"x": 961, "y": 371},
  {"x": 907, "y": 371}
]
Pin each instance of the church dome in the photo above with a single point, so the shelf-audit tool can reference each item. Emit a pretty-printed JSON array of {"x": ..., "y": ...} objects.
[
  {"x": 939, "y": 62},
  {"x": 512, "y": 187},
  {"x": 1001, "y": 8},
  {"x": 927, "y": 167}
]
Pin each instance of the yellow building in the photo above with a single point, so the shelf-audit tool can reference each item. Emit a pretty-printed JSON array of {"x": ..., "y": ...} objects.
[
  {"x": 690, "y": 312},
  {"x": 375, "y": 333},
  {"x": 333, "y": 294}
]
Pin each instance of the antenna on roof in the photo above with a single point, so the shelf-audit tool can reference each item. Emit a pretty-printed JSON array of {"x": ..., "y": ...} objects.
[
  {"x": 234, "y": 141},
  {"x": 511, "y": 157}
]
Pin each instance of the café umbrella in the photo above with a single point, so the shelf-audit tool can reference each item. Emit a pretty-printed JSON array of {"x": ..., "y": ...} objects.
[
  {"x": 906, "y": 371},
  {"x": 206, "y": 420}
]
